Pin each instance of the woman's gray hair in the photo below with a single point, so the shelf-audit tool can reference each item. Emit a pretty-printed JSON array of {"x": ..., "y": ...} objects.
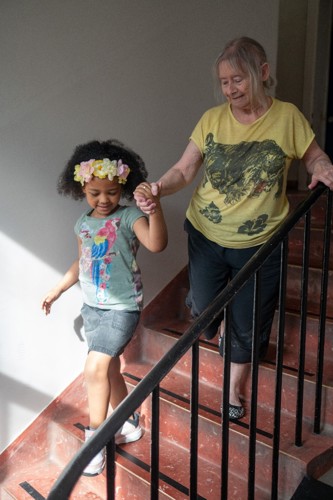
[{"x": 247, "y": 55}]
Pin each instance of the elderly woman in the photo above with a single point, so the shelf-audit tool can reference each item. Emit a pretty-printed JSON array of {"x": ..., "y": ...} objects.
[{"x": 245, "y": 146}]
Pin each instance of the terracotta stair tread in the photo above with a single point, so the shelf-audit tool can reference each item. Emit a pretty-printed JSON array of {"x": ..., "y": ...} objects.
[
  {"x": 318, "y": 211},
  {"x": 291, "y": 345},
  {"x": 174, "y": 425},
  {"x": 36, "y": 481},
  {"x": 295, "y": 247},
  {"x": 175, "y": 391},
  {"x": 168, "y": 334},
  {"x": 72, "y": 410},
  {"x": 40, "y": 475},
  {"x": 35, "y": 459}
]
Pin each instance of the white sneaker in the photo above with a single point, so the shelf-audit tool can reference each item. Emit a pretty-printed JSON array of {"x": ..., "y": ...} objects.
[
  {"x": 97, "y": 464},
  {"x": 130, "y": 431}
]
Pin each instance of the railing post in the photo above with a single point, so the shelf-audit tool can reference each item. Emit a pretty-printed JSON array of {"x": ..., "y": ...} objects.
[
  {"x": 194, "y": 421},
  {"x": 110, "y": 469},
  {"x": 304, "y": 307},
  {"x": 155, "y": 443},
  {"x": 254, "y": 384},
  {"x": 322, "y": 316},
  {"x": 279, "y": 368},
  {"x": 225, "y": 404}
]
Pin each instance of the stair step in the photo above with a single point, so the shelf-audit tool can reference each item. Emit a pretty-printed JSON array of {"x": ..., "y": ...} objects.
[
  {"x": 66, "y": 436},
  {"x": 72, "y": 409},
  {"x": 170, "y": 309},
  {"x": 174, "y": 457},
  {"x": 29, "y": 467},
  {"x": 155, "y": 342},
  {"x": 293, "y": 301},
  {"x": 175, "y": 424},
  {"x": 35, "y": 482},
  {"x": 291, "y": 345},
  {"x": 175, "y": 328},
  {"x": 295, "y": 247},
  {"x": 318, "y": 211},
  {"x": 134, "y": 459}
]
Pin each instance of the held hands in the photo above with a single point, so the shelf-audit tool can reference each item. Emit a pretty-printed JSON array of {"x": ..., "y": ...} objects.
[{"x": 147, "y": 197}]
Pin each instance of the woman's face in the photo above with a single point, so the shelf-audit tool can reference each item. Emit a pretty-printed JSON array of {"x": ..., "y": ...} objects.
[{"x": 235, "y": 86}]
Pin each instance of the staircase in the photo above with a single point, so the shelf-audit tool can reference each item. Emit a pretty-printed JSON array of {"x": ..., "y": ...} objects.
[{"x": 31, "y": 464}]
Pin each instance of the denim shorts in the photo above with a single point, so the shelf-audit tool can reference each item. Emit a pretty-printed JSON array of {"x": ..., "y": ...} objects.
[{"x": 108, "y": 330}]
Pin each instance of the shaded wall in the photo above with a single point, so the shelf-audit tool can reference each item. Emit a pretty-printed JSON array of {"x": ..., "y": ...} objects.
[{"x": 72, "y": 71}]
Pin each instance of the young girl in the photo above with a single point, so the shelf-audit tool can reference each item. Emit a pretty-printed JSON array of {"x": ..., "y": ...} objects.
[{"x": 108, "y": 238}]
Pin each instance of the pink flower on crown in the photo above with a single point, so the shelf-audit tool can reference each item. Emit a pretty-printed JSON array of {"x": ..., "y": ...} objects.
[
  {"x": 84, "y": 172},
  {"x": 123, "y": 171}
]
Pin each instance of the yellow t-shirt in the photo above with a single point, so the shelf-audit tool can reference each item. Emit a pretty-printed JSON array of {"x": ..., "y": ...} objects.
[{"x": 241, "y": 199}]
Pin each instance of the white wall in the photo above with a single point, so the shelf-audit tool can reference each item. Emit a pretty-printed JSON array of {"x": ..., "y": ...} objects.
[{"x": 71, "y": 71}]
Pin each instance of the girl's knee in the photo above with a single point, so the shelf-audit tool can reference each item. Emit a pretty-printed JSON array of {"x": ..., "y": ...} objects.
[{"x": 96, "y": 367}]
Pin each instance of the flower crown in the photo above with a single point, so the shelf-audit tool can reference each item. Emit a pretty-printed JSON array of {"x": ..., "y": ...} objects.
[{"x": 102, "y": 169}]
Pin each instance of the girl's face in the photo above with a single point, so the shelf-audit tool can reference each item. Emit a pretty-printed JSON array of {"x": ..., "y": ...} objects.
[
  {"x": 102, "y": 196},
  {"x": 235, "y": 86}
]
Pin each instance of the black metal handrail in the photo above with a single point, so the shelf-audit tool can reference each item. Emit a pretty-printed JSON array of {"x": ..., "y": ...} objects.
[{"x": 104, "y": 436}]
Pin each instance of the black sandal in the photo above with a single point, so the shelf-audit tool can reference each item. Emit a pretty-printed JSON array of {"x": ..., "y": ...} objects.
[{"x": 235, "y": 412}]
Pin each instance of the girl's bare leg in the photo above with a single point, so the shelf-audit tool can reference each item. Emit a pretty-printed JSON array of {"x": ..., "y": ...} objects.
[
  {"x": 117, "y": 383},
  {"x": 98, "y": 386}
]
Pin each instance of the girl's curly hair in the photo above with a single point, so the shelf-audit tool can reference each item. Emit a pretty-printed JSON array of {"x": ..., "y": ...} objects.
[{"x": 111, "y": 149}]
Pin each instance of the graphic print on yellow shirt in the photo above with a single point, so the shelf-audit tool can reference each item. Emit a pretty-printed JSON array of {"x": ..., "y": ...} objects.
[
  {"x": 245, "y": 169},
  {"x": 241, "y": 199}
]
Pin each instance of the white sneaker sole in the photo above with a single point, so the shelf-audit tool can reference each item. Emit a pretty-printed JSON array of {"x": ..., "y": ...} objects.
[
  {"x": 92, "y": 471},
  {"x": 129, "y": 438}
]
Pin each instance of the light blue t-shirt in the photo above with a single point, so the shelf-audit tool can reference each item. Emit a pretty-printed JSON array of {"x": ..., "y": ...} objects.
[{"x": 109, "y": 276}]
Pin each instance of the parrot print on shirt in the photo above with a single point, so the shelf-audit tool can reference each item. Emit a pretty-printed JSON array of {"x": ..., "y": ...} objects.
[{"x": 101, "y": 255}]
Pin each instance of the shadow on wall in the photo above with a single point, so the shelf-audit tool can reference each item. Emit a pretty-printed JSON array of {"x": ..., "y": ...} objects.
[{"x": 14, "y": 393}]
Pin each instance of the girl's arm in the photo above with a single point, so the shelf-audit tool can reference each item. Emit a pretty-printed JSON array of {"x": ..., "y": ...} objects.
[
  {"x": 70, "y": 278},
  {"x": 151, "y": 233},
  {"x": 318, "y": 165}
]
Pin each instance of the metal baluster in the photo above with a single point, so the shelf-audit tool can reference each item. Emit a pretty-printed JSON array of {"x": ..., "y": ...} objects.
[
  {"x": 279, "y": 368},
  {"x": 322, "y": 316},
  {"x": 194, "y": 421},
  {"x": 225, "y": 404},
  {"x": 155, "y": 443},
  {"x": 254, "y": 385},
  {"x": 304, "y": 306},
  {"x": 110, "y": 469}
]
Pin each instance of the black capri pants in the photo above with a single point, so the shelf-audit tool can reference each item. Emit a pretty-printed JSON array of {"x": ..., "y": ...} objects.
[{"x": 210, "y": 268}]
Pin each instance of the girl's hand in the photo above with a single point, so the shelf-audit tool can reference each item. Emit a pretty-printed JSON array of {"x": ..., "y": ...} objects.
[
  {"x": 48, "y": 300},
  {"x": 147, "y": 196}
]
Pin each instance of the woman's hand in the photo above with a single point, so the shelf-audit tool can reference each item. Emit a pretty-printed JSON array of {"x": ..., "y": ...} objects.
[
  {"x": 322, "y": 172},
  {"x": 319, "y": 165},
  {"x": 146, "y": 196}
]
